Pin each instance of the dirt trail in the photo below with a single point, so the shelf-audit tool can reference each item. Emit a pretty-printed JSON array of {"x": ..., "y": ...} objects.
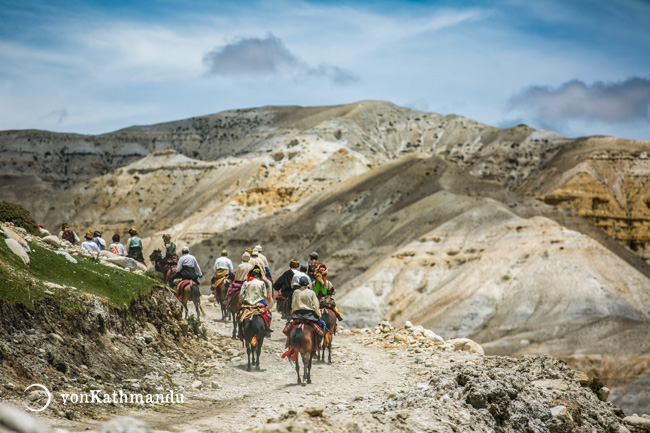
[
  {"x": 248, "y": 399},
  {"x": 357, "y": 380}
]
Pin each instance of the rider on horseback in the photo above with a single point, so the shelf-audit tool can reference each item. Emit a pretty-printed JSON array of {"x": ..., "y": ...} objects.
[
  {"x": 284, "y": 288},
  {"x": 187, "y": 268},
  {"x": 312, "y": 265},
  {"x": 255, "y": 297},
  {"x": 222, "y": 269},
  {"x": 263, "y": 259},
  {"x": 325, "y": 290},
  {"x": 304, "y": 306},
  {"x": 169, "y": 247}
]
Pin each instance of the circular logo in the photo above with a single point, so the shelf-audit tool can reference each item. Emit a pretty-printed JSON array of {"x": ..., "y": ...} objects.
[{"x": 47, "y": 391}]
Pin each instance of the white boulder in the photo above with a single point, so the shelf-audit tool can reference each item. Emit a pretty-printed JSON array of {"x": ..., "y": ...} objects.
[
  {"x": 15, "y": 420},
  {"x": 466, "y": 345},
  {"x": 17, "y": 249},
  {"x": 67, "y": 256},
  {"x": 52, "y": 240},
  {"x": 16, "y": 236},
  {"x": 124, "y": 262}
]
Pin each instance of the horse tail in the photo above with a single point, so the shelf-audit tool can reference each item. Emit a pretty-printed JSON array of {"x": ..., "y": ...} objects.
[
  {"x": 196, "y": 292},
  {"x": 297, "y": 337},
  {"x": 201, "y": 308}
]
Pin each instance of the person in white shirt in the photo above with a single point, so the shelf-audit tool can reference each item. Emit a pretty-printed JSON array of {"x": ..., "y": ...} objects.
[
  {"x": 116, "y": 247},
  {"x": 187, "y": 268},
  {"x": 223, "y": 262},
  {"x": 89, "y": 244},
  {"x": 222, "y": 269}
]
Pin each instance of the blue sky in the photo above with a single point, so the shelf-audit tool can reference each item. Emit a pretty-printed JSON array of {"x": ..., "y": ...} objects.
[{"x": 578, "y": 67}]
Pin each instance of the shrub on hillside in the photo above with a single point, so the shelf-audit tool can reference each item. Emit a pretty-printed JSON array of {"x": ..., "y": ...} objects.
[{"x": 19, "y": 216}]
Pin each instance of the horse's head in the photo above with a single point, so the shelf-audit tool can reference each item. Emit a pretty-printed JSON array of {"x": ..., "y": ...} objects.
[{"x": 155, "y": 258}]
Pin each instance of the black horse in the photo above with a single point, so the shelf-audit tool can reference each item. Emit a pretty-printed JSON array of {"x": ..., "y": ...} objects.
[
  {"x": 254, "y": 330},
  {"x": 328, "y": 319}
]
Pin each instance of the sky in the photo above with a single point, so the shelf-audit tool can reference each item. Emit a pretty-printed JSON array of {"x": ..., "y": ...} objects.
[{"x": 579, "y": 67}]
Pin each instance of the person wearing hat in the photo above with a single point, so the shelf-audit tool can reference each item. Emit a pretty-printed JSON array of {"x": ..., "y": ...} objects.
[
  {"x": 89, "y": 244},
  {"x": 187, "y": 268},
  {"x": 97, "y": 238},
  {"x": 67, "y": 234},
  {"x": 312, "y": 265},
  {"x": 305, "y": 305},
  {"x": 168, "y": 246},
  {"x": 222, "y": 269},
  {"x": 256, "y": 261},
  {"x": 135, "y": 246},
  {"x": 283, "y": 287},
  {"x": 256, "y": 293},
  {"x": 242, "y": 270},
  {"x": 255, "y": 258}
]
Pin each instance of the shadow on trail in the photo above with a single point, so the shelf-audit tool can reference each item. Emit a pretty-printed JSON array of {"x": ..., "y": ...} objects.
[{"x": 244, "y": 367}]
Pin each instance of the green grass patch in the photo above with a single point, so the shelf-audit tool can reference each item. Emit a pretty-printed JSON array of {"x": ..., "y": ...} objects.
[
  {"x": 24, "y": 284},
  {"x": 15, "y": 213}
]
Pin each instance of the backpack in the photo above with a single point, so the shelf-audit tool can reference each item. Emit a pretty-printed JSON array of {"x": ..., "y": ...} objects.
[{"x": 68, "y": 235}]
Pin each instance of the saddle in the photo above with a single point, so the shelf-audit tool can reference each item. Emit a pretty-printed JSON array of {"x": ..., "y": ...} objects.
[
  {"x": 247, "y": 311},
  {"x": 180, "y": 286},
  {"x": 219, "y": 276},
  {"x": 290, "y": 326}
]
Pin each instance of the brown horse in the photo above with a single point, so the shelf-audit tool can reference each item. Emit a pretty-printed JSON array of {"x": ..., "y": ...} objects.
[
  {"x": 303, "y": 340},
  {"x": 328, "y": 318},
  {"x": 166, "y": 266},
  {"x": 220, "y": 293},
  {"x": 190, "y": 291},
  {"x": 234, "y": 303}
]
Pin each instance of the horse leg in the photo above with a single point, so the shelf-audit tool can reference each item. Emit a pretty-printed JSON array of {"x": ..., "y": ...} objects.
[
  {"x": 298, "y": 367},
  {"x": 329, "y": 351},
  {"x": 234, "y": 327},
  {"x": 307, "y": 364},
  {"x": 260, "y": 339},
  {"x": 251, "y": 354}
]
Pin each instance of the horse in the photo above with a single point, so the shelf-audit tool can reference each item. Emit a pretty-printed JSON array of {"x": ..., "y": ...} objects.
[
  {"x": 328, "y": 318},
  {"x": 220, "y": 293},
  {"x": 234, "y": 305},
  {"x": 190, "y": 291},
  {"x": 303, "y": 340},
  {"x": 166, "y": 266},
  {"x": 283, "y": 306},
  {"x": 254, "y": 330}
]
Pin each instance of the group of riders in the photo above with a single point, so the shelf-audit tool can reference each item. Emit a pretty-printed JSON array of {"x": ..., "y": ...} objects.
[
  {"x": 302, "y": 291},
  {"x": 94, "y": 242}
]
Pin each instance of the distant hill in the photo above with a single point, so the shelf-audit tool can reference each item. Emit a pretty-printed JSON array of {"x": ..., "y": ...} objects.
[{"x": 523, "y": 240}]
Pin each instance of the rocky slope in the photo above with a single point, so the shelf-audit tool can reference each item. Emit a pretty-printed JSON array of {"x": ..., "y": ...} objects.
[
  {"x": 384, "y": 379},
  {"x": 474, "y": 230}
]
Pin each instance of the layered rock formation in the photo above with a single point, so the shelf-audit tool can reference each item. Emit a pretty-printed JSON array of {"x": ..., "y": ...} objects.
[{"x": 472, "y": 230}]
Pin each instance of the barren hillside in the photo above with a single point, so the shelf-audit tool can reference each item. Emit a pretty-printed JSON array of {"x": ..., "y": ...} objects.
[{"x": 524, "y": 240}]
